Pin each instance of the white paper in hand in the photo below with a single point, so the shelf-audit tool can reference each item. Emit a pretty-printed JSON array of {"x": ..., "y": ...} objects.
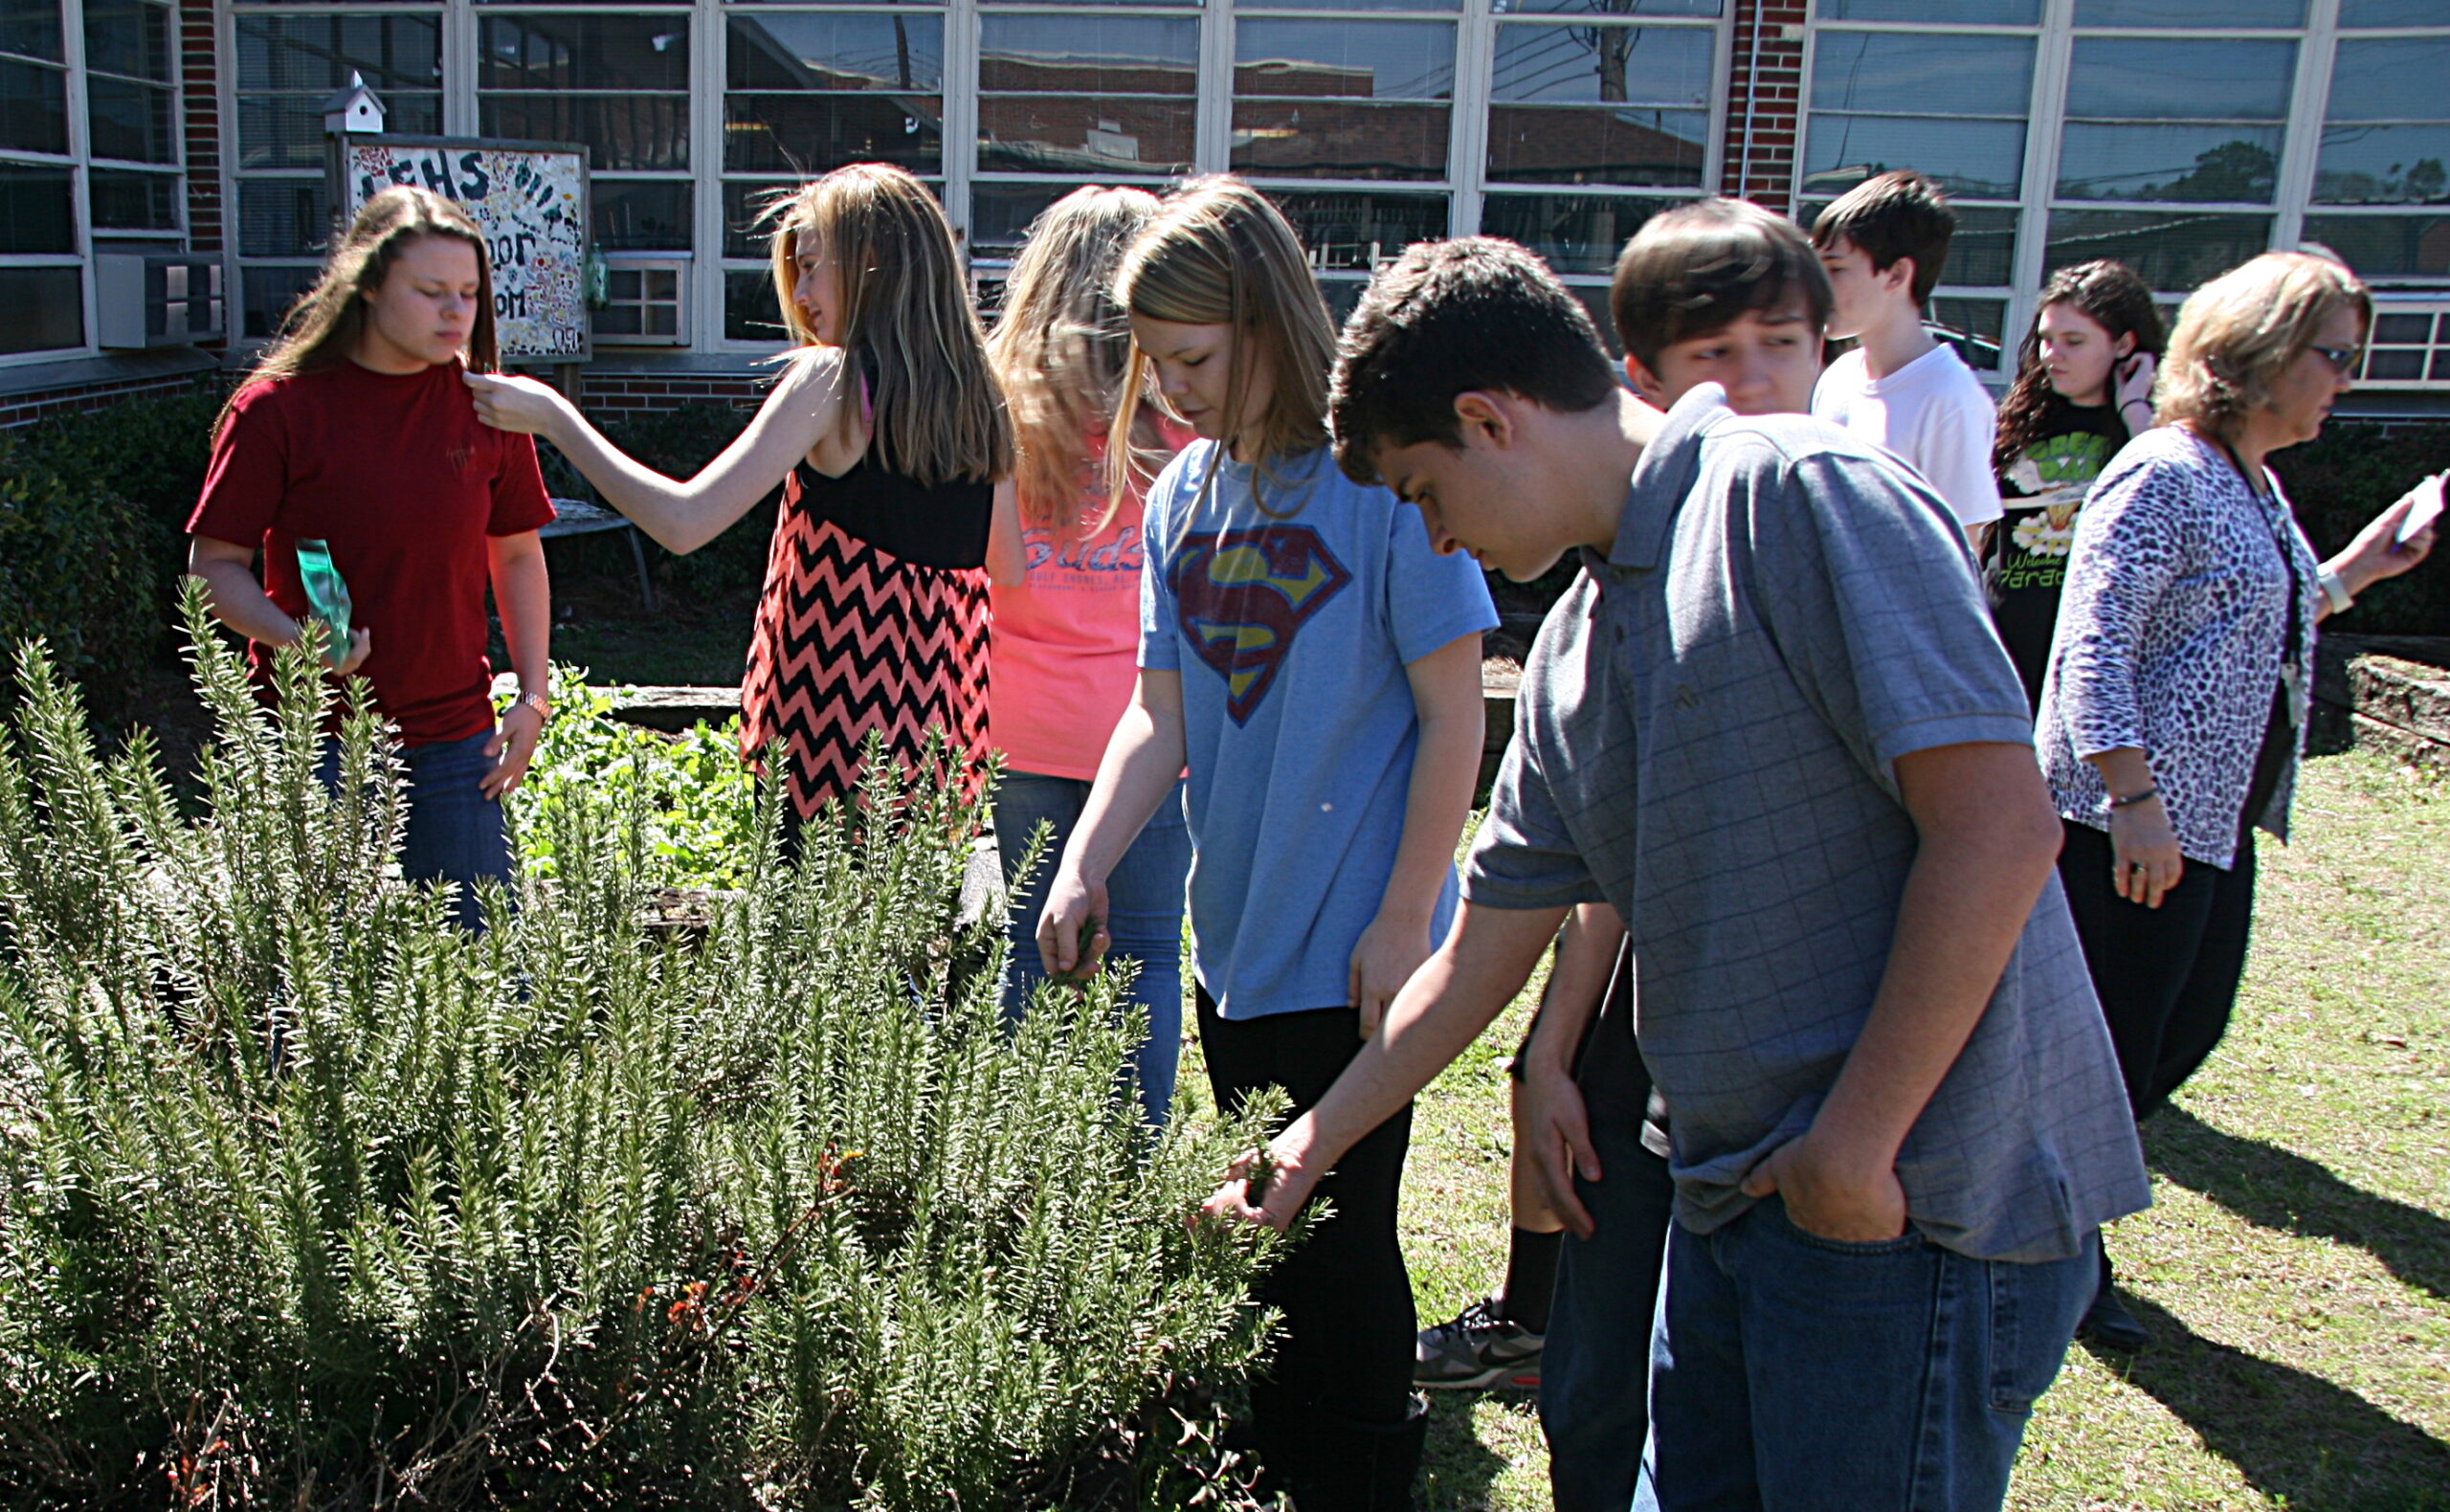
[{"x": 2427, "y": 509}]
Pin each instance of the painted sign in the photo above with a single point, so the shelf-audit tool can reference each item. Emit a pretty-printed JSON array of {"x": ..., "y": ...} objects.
[{"x": 530, "y": 201}]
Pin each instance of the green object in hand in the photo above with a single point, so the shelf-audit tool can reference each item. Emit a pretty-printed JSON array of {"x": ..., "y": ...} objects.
[{"x": 325, "y": 593}]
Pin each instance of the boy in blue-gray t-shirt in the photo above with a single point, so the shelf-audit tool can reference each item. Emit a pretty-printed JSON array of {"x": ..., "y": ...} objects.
[{"x": 1772, "y": 726}]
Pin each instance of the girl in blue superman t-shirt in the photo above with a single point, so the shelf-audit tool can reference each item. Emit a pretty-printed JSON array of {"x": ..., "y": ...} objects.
[{"x": 1317, "y": 666}]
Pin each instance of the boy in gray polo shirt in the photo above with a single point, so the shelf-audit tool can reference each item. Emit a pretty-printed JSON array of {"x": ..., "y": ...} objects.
[{"x": 1772, "y": 726}]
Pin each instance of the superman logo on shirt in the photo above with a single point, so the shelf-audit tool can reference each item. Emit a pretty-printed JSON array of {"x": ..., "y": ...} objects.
[{"x": 1240, "y": 597}]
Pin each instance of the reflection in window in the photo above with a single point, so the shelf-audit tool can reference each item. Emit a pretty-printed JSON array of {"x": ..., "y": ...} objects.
[
  {"x": 618, "y": 83},
  {"x": 2386, "y": 246},
  {"x": 1572, "y": 232},
  {"x": 36, "y": 215},
  {"x": 639, "y": 215},
  {"x": 811, "y": 93},
  {"x": 2390, "y": 12},
  {"x": 1953, "y": 12},
  {"x": 1974, "y": 327},
  {"x": 41, "y": 309},
  {"x": 2175, "y": 119},
  {"x": 1310, "y": 98},
  {"x": 2388, "y": 138},
  {"x": 1597, "y": 104},
  {"x": 1358, "y": 231},
  {"x": 1966, "y": 126},
  {"x": 2242, "y": 15},
  {"x": 2172, "y": 249},
  {"x": 1087, "y": 95}
]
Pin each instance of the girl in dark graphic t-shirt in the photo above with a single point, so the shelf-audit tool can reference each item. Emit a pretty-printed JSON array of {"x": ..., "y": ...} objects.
[
  {"x": 2083, "y": 387},
  {"x": 355, "y": 429}
]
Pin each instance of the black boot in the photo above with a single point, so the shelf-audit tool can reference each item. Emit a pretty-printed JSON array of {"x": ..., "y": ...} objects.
[
  {"x": 2106, "y": 1324},
  {"x": 1337, "y": 1465}
]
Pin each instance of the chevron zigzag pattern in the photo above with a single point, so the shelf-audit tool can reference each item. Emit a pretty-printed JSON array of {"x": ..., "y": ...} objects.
[{"x": 851, "y": 639}]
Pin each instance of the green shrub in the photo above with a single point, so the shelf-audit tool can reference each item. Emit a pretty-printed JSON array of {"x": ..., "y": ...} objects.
[
  {"x": 308, "y": 1200},
  {"x": 2346, "y": 479},
  {"x": 694, "y": 800},
  {"x": 678, "y": 442},
  {"x": 75, "y": 570}
]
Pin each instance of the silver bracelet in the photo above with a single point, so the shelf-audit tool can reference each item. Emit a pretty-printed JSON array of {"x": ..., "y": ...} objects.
[{"x": 543, "y": 705}]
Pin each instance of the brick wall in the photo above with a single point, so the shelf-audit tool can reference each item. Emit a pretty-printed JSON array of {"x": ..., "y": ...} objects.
[
  {"x": 1776, "y": 89},
  {"x": 24, "y": 409},
  {"x": 602, "y": 393}
]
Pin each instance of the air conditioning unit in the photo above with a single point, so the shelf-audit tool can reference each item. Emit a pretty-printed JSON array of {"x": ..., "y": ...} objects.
[
  {"x": 646, "y": 303},
  {"x": 2410, "y": 346},
  {"x": 159, "y": 299}
]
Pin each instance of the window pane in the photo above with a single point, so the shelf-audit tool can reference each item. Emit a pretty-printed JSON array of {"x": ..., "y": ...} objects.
[
  {"x": 1642, "y": 8},
  {"x": 1652, "y": 65},
  {"x": 2386, "y": 246},
  {"x": 835, "y": 52},
  {"x": 585, "y": 52},
  {"x": 1085, "y": 135},
  {"x": 2171, "y": 248},
  {"x": 319, "y": 52},
  {"x": 1345, "y": 4},
  {"x": 2383, "y": 165},
  {"x": 2170, "y": 163},
  {"x": 2156, "y": 79},
  {"x": 1572, "y": 232},
  {"x": 270, "y": 291},
  {"x": 1369, "y": 60},
  {"x": 129, "y": 120},
  {"x": 1649, "y": 148},
  {"x": 1974, "y": 327},
  {"x": 750, "y": 311},
  {"x": 31, "y": 27},
  {"x": 128, "y": 37},
  {"x": 1983, "y": 159},
  {"x": 745, "y": 206},
  {"x": 33, "y": 107},
  {"x": 1333, "y": 140},
  {"x": 1942, "y": 74},
  {"x": 1594, "y": 300},
  {"x": 2002, "y": 12},
  {"x": 2395, "y": 78},
  {"x": 286, "y": 131},
  {"x": 2192, "y": 14},
  {"x": 36, "y": 211},
  {"x": 813, "y": 134},
  {"x": 134, "y": 201},
  {"x": 283, "y": 217},
  {"x": 1982, "y": 254},
  {"x": 41, "y": 309},
  {"x": 621, "y": 131},
  {"x": 1360, "y": 231},
  {"x": 631, "y": 215},
  {"x": 1089, "y": 55},
  {"x": 2390, "y": 12},
  {"x": 1191, "y": 4},
  {"x": 1000, "y": 214}
]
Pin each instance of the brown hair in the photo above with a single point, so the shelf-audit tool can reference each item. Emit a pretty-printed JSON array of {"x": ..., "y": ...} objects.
[
  {"x": 2113, "y": 297},
  {"x": 1892, "y": 215},
  {"x": 328, "y": 321},
  {"x": 1698, "y": 268},
  {"x": 1448, "y": 318},
  {"x": 1060, "y": 350},
  {"x": 1219, "y": 253},
  {"x": 2238, "y": 333},
  {"x": 909, "y": 326}
]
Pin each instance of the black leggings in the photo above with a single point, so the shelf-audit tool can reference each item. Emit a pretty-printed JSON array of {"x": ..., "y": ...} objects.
[
  {"x": 1344, "y": 1349},
  {"x": 2167, "y": 976}
]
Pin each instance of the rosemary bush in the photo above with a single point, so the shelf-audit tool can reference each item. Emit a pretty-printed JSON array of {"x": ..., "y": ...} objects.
[{"x": 307, "y": 1199}]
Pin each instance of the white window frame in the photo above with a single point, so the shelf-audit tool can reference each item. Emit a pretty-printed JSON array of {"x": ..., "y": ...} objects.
[{"x": 80, "y": 163}]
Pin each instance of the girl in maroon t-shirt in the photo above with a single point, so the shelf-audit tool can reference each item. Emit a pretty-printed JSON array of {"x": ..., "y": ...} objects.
[
  {"x": 887, "y": 432},
  {"x": 354, "y": 430}
]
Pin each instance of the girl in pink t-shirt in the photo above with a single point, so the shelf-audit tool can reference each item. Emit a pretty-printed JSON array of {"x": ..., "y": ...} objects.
[{"x": 1064, "y": 559}]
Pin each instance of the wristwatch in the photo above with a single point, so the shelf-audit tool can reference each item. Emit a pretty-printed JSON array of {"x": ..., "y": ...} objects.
[
  {"x": 2334, "y": 592},
  {"x": 543, "y": 705}
]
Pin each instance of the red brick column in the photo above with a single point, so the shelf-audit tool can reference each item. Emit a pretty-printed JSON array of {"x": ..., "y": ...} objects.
[
  {"x": 1773, "y": 89},
  {"x": 201, "y": 117}
]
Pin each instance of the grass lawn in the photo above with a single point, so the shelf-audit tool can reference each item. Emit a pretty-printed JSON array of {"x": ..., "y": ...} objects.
[{"x": 2295, "y": 1267}]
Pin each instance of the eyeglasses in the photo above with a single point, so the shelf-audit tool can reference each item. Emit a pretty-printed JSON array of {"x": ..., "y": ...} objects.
[{"x": 2343, "y": 358}]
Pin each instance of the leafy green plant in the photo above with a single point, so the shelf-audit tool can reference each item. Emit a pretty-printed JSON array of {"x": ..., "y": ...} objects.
[
  {"x": 678, "y": 442},
  {"x": 2352, "y": 474},
  {"x": 696, "y": 801},
  {"x": 308, "y": 1198},
  {"x": 74, "y": 569}
]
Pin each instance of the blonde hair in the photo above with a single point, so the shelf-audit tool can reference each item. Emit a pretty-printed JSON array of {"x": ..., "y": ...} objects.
[
  {"x": 2237, "y": 334},
  {"x": 328, "y": 321},
  {"x": 1061, "y": 348},
  {"x": 908, "y": 327},
  {"x": 1219, "y": 253}
]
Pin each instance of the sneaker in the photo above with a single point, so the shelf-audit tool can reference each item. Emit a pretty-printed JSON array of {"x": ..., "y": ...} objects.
[{"x": 1478, "y": 1352}]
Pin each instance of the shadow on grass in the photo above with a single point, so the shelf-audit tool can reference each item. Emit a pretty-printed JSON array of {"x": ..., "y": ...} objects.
[
  {"x": 2276, "y": 1188},
  {"x": 2297, "y": 1437},
  {"x": 1456, "y": 1468}
]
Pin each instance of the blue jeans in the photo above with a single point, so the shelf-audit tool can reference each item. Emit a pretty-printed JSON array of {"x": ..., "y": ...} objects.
[
  {"x": 1793, "y": 1372},
  {"x": 1144, "y": 906},
  {"x": 1594, "y": 1377},
  {"x": 455, "y": 832}
]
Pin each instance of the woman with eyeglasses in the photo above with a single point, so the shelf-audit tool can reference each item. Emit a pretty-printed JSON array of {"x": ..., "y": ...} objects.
[{"x": 2173, "y": 712}]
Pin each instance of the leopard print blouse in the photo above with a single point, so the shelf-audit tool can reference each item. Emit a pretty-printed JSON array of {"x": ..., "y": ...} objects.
[{"x": 2171, "y": 634}]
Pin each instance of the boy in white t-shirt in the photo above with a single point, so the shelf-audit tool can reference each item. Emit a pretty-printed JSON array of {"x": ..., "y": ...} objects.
[{"x": 1882, "y": 243}]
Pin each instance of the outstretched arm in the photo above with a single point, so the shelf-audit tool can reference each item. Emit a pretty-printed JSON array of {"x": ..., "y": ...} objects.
[{"x": 802, "y": 409}]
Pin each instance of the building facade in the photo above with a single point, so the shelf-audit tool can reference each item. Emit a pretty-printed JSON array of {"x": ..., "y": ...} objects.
[{"x": 2179, "y": 135}]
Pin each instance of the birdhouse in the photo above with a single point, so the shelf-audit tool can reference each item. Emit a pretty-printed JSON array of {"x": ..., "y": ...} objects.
[{"x": 353, "y": 111}]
